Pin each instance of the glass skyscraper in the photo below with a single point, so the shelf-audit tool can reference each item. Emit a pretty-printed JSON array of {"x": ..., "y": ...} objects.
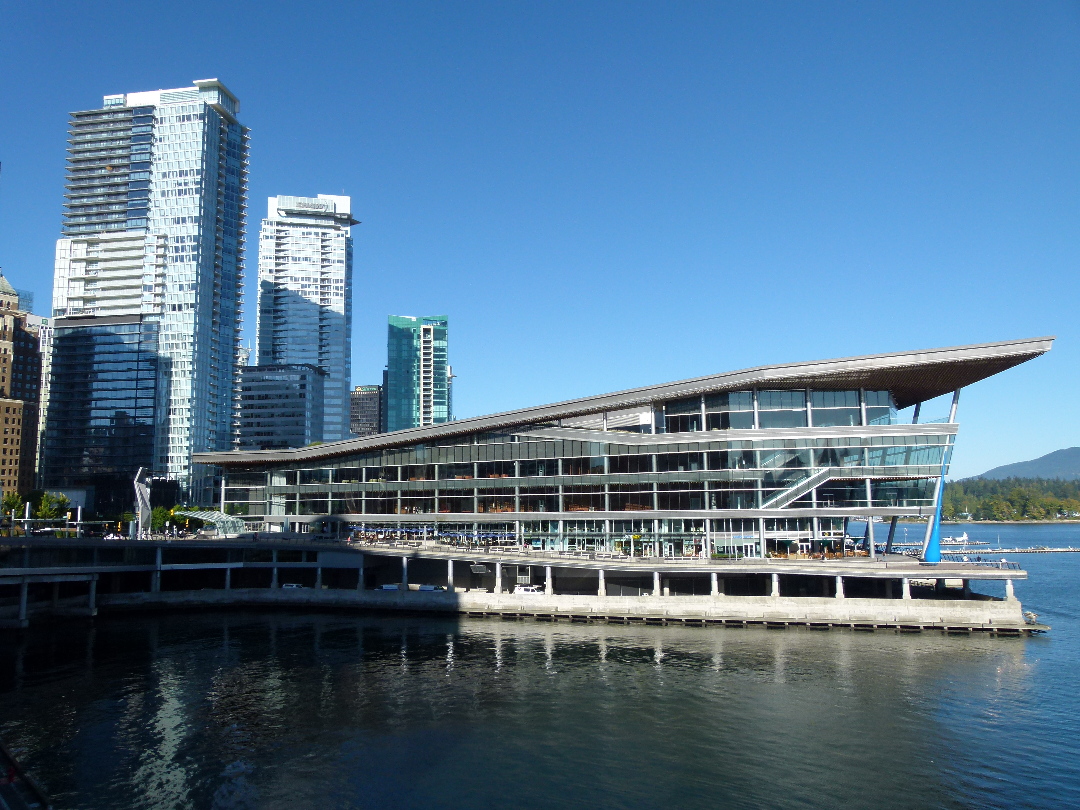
[
  {"x": 418, "y": 377},
  {"x": 154, "y": 243},
  {"x": 305, "y": 296}
]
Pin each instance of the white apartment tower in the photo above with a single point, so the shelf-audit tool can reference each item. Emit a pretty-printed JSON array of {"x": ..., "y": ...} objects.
[
  {"x": 305, "y": 296},
  {"x": 150, "y": 264}
]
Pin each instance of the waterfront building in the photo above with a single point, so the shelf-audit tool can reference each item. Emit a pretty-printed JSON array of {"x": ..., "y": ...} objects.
[
  {"x": 365, "y": 410},
  {"x": 305, "y": 295},
  {"x": 771, "y": 460},
  {"x": 418, "y": 377},
  {"x": 20, "y": 390},
  {"x": 149, "y": 270}
]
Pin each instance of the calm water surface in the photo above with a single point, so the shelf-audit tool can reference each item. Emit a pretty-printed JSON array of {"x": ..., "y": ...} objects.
[{"x": 283, "y": 710}]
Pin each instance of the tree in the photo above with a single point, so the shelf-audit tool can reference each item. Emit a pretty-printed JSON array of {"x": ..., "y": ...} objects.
[
  {"x": 53, "y": 505},
  {"x": 12, "y": 505},
  {"x": 158, "y": 516}
]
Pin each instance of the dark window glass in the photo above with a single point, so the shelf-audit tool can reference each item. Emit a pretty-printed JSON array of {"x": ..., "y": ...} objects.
[
  {"x": 684, "y": 424},
  {"x": 630, "y": 497},
  {"x": 495, "y": 469},
  {"x": 539, "y": 467},
  {"x": 773, "y": 400},
  {"x": 880, "y": 398},
  {"x": 678, "y": 462},
  {"x": 455, "y": 504},
  {"x": 682, "y": 406},
  {"x": 730, "y": 401},
  {"x": 380, "y": 473},
  {"x": 782, "y": 419},
  {"x": 732, "y": 495},
  {"x": 771, "y": 459},
  {"x": 418, "y": 505},
  {"x": 539, "y": 500},
  {"x": 736, "y": 420},
  {"x": 630, "y": 464},
  {"x": 731, "y": 460},
  {"x": 583, "y": 499},
  {"x": 583, "y": 466},
  {"x": 450, "y": 472},
  {"x": 375, "y": 504},
  {"x": 834, "y": 399}
]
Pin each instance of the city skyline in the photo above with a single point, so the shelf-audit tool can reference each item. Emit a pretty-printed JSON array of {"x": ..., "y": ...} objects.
[{"x": 618, "y": 172}]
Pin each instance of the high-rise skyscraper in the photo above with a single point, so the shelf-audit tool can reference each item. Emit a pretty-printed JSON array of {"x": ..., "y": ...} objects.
[
  {"x": 365, "y": 410},
  {"x": 150, "y": 268},
  {"x": 305, "y": 296},
  {"x": 417, "y": 372}
]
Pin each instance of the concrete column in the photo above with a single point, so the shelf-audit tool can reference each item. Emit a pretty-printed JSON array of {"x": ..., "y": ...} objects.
[
  {"x": 870, "y": 528},
  {"x": 714, "y": 584},
  {"x": 888, "y": 589},
  {"x": 905, "y": 584},
  {"x": 318, "y": 578},
  {"x": 839, "y": 587},
  {"x": 1010, "y": 593},
  {"x": 656, "y": 583},
  {"x": 405, "y": 571},
  {"x": 602, "y": 587},
  {"x": 24, "y": 589},
  {"x": 967, "y": 588},
  {"x": 155, "y": 577},
  {"x": 228, "y": 579},
  {"x": 450, "y": 575},
  {"x": 93, "y": 596},
  {"x": 273, "y": 577},
  {"x": 360, "y": 575},
  {"x": 498, "y": 577},
  {"x": 776, "y": 584},
  {"x": 549, "y": 587},
  {"x": 761, "y": 536}
]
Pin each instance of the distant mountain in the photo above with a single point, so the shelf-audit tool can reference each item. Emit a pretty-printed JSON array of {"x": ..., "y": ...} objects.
[{"x": 1063, "y": 464}]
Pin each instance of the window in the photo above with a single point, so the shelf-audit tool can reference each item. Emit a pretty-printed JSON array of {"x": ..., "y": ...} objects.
[
  {"x": 583, "y": 466},
  {"x": 630, "y": 464},
  {"x": 679, "y": 462}
]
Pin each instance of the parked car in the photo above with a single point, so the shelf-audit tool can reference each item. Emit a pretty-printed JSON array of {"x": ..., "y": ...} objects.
[
  {"x": 528, "y": 589},
  {"x": 291, "y": 585},
  {"x": 390, "y": 587}
]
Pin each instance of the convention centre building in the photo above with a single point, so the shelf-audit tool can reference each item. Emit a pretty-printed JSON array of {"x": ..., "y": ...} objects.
[{"x": 774, "y": 460}]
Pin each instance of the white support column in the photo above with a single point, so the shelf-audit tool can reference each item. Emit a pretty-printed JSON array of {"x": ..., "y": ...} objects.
[
  {"x": 1010, "y": 593},
  {"x": 839, "y": 587},
  {"x": 656, "y": 583},
  {"x": 405, "y": 572},
  {"x": 952, "y": 408},
  {"x": 870, "y": 526},
  {"x": 549, "y": 586},
  {"x": 274, "y": 575},
  {"x": 776, "y": 585},
  {"x": 602, "y": 587},
  {"x": 905, "y": 584},
  {"x": 360, "y": 575},
  {"x": 761, "y": 537},
  {"x": 93, "y": 595},
  {"x": 450, "y": 575},
  {"x": 155, "y": 578},
  {"x": 228, "y": 579},
  {"x": 318, "y": 578},
  {"x": 714, "y": 584},
  {"x": 24, "y": 590},
  {"x": 498, "y": 577}
]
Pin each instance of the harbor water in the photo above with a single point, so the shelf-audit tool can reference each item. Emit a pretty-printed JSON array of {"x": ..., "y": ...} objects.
[{"x": 299, "y": 709}]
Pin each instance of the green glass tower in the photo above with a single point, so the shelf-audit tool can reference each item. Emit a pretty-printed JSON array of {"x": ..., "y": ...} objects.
[{"x": 418, "y": 376}]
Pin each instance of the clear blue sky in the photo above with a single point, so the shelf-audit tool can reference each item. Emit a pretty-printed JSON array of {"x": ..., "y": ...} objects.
[{"x": 606, "y": 195}]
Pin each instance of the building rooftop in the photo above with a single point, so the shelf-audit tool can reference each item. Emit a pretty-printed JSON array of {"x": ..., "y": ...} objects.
[{"x": 912, "y": 377}]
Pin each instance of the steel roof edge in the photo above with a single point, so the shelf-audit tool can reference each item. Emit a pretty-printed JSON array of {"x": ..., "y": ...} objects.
[{"x": 728, "y": 380}]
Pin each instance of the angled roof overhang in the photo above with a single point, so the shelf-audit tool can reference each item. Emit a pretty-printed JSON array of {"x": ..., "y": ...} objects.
[{"x": 912, "y": 377}]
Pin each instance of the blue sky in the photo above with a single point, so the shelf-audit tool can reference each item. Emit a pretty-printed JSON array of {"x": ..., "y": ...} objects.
[{"x": 606, "y": 195}]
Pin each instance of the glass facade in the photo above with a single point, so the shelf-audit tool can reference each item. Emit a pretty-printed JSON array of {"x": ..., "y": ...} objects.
[
  {"x": 104, "y": 402},
  {"x": 779, "y": 477},
  {"x": 154, "y": 226},
  {"x": 417, "y": 381},
  {"x": 305, "y": 296}
]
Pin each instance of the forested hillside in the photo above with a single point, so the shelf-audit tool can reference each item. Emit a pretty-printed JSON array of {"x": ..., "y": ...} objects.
[{"x": 1011, "y": 499}]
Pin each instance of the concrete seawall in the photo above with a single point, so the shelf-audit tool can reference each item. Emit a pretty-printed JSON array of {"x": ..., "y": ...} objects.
[{"x": 999, "y": 616}]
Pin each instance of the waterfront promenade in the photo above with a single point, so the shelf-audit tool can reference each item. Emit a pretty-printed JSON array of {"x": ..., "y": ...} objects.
[{"x": 77, "y": 577}]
